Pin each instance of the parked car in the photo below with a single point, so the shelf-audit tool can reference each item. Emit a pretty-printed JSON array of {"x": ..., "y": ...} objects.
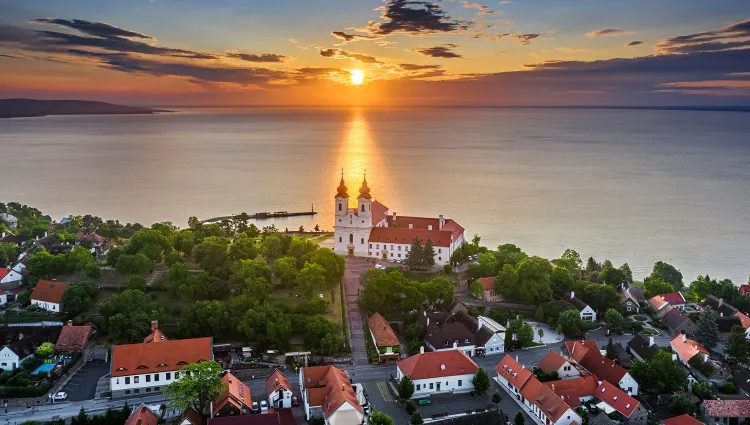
[
  {"x": 295, "y": 400},
  {"x": 256, "y": 407},
  {"x": 263, "y": 406},
  {"x": 62, "y": 395},
  {"x": 424, "y": 402}
]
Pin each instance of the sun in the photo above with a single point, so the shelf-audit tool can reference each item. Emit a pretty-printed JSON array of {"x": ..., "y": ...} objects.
[{"x": 357, "y": 76}]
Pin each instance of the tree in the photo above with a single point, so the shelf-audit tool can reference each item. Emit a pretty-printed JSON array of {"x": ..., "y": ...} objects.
[
  {"x": 660, "y": 375},
  {"x": 184, "y": 242},
  {"x": 93, "y": 271},
  {"x": 497, "y": 399},
  {"x": 133, "y": 264},
  {"x": 477, "y": 289},
  {"x": 525, "y": 335},
  {"x": 533, "y": 280},
  {"x": 519, "y": 419},
  {"x": 611, "y": 349},
  {"x": 211, "y": 254},
  {"x": 703, "y": 390},
  {"x": 272, "y": 246},
  {"x": 510, "y": 254},
  {"x": 81, "y": 418},
  {"x": 481, "y": 382},
  {"x": 708, "y": 329},
  {"x": 259, "y": 287},
  {"x": 330, "y": 344},
  {"x": 540, "y": 332},
  {"x": 570, "y": 260},
  {"x": 205, "y": 318},
  {"x": 654, "y": 286},
  {"x": 79, "y": 258},
  {"x": 428, "y": 255},
  {"x": 311, "y": 280},
  {"x": 8, "y": 253},
  {"x": 199, "y": 384},
  {"x": 136, "y": 282},
  {"x": 285, "y": 270},
  {"x": 416, "y": 418},
  {"x": 737, "y": 350},
  {"x": 242, "y": 248},
  {"x": 601, "y": 297},
  {"x": 414, "y": 256},
  {"x": 405, "y": 388},
  {"x": 507, "y": 282},
  {"x": 680, "y": 404},
  {"x": 45, "y": 349},
  {"x": 569, "y": 323},
  {"x": 332, "y": 263},
  {"x": 44, "y": 265},
  {"x": 379, "y": 418},
  {"x": 561, "y": 281},
  {"x": 613, "y": 277},
  {"x": 128, "y": 315},
  {"x": 614, "y": 320},
  {"x": 78, "y": 298},
  {"x": 667, "y": 273}
]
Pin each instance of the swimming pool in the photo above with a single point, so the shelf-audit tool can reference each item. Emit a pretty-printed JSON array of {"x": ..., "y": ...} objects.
[{"x": 45, "y": 368}]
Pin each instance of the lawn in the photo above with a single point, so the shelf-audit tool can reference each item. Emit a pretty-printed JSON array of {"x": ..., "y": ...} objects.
[
  {"x": 292, "y": 298},
  {"x": 319, "y": 239},
  {"x": 650, "y": 331},
  {"x": 420, "y": 276}
]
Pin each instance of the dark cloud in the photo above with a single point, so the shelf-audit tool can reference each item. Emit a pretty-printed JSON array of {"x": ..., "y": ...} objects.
[
  {"x": 343, "y": 54},
  {"x": 607, "y": 32},
  {"x": 351, "y": 37},
  {"x": 526, "y": 38},
  {"x": 97, "y": 29},
  {"x": 14, "y": 34},
  {"x": 444, "y": 51},
  {"x": 732, "y": 36},
  {"x": 634, "y": 43},
  {"x": 258, "y": 57},
  {"x": 314, "y": 73},
  {"x": 415, "y": 67}
]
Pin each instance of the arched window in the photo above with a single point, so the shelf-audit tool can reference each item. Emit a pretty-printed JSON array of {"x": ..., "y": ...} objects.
[
  {"x": 363, "y": 207},
  {"x": 341, "y": 239},
  {"x": 363, "y": 241},
  {"x": 340, "y": 206},
  {"x": 351, "y": 237}
]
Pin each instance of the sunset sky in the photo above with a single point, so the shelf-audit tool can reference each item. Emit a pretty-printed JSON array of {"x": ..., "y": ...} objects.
[{"x": 412, "y": 52}]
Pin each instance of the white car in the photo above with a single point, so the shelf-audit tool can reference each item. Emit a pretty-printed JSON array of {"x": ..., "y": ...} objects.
[
  {"x": 263, "y": 406},
  {"x": 379, "y": 267},
  {"x": 60, "y": 396}
]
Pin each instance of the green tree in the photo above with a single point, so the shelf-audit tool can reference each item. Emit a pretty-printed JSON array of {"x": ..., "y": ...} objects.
[
  {"x": 654, "y": 286},
  {"x": 703, "y": 390},
  {"x": 428, "y": 255},
  {"x": 184, "y": 242},
  {"x": 601, "y": 297},
  {"x": 285, "y": 270},
  {"x": 507, "y": 282},
  {"x": 497, "y": 399},
  {"x": 380, "y": 418},
  {"x": 205, "y": 318},
  {"x": 79, "y": 258},
  {"x": 78, "y": 297},
  {"x": 525, "y": 335},
  {"x": 481, "y": 382},
  {"x": 44, "y": 265},
  {"x": 680, "y": 404},
  {"x": 540, "y": 332},
  {"x": 660, "y": 375},
  {"x": 301, "y": 249},
  {"x": 613, "y": 277},
  {"x": 737, "y": 350},
  {"x": 611, "y": 349},
  {"x": 539, "y": 315},
  {"x": 571, "y": 261},
  {"x": 259, "y": 287},
  {"x": 45, "y": 349},
  {"x": 708, "y": 329},
  {"x": 330, "y": 344},
  {"x": 136, "y": 282},
  {"x": 245, "y": 269},
  {"x": 569, "y": 323},
  {"x": 519, "y": 419},
  {"x": 93, "y": 271},
  {"x": 414, "y": 256},
  {"x": 243, "y": 248},
  {"x": 614, "y": 320},
  {"x": 311, "y": 280},
  {"x": 272, "y": 246},
  {"x": 81, "y": 418},
  {"x": 128, "y": 315},
  {"x": 510, "y": 254},
  {"x": 199, "y": 384},
  {"x": 178, "y": 274},
  {"x": 405, "y": 388},
  {"x": 8, "y": 253},
  {"x": 409, "y": 407},
  {"x": 332, "y": 263},
  {"x": 133, "y": 264},
  {"x": 628, "y": 273},
  {"x": 667, "y": 273},
  {"x": 561, "y": 281},
  {"x": 416, "y": 418},
  {"x": 211, "y": 254},
  {"x": 533, "y": 280},
  {"x": 477, "y": 289}
]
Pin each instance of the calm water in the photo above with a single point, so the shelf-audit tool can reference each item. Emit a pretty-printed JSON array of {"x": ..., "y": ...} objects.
[{"x": 635, "y": 186}]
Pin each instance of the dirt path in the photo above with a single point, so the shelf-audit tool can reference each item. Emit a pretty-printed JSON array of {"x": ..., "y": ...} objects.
[{"x": 354, "y": 269}]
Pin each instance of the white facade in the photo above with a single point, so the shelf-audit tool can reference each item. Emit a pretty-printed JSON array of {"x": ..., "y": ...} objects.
[
  {"x": 567, "y": 371},
  {"x": 588, "y": 313},
  {"x": 496, "y": 344},
  {"x": 628, "y": 384},
  {"x": 280, "y": 399},
  {"x": 12, "y": 276},
  {"x": 387, "y": 251},
  {"x": 9, "y": 360},
  {"x": 3, "y": 298},
  {"x": 566, "y": 419},
  {"x": 142, "y": 383},
  {"x": 469, "y": 350},
  {"x": 53, "y": 307},
  {"x": 447, "y": 384}
]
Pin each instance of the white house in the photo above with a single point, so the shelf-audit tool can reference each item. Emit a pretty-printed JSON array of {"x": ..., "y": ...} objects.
[
  {"x": 554, "y": 362},
  {"x": 327, "y": 392},
  {"x": 369, "y": 231},
  {"x": 149, "y": 366},
  {"x": 279, "y": 391},
  {"x": 10, "y": 220},
  {"x": 435, "y": 372},
  {"x": 3, "y": 297},
  {"x": 10, "y": 275},
  {"x": 588, "y": 355},
  {"x": 586, "y": 312},
  {"x": 10, "y": 360},
  {"x": 686, "y": 349},
  {"x": 490, "y": 338},
  {"x": 48, "y": 295}
]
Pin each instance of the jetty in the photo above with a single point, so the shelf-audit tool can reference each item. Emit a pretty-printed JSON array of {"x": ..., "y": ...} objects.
[{"x": 262, "y": 215}]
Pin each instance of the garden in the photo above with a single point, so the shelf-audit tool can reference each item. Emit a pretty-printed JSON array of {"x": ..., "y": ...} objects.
[{"x": 37, "y": 373}]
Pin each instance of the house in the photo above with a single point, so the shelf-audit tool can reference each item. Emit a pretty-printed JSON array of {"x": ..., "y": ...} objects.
[
  {"x": 279, "y": 391},
  {"x": 601, "y": 418},
  {"x": 385, "y": 340},
  {"x": 642, "y": 347},
  {"x": 73, "y": 338},
  {"x": 10, "y": 220},
  {"x": 575, "y": 391},
  {"x": 553, "y": 362},
  {"x": 271, "y": 417},
  {"x": 587, "y": 355},
  {"x": 327, "y": 392},
  {"x": 3, "y": 297},
  {"x": 370, "y": 231},
  {"x": 8, "y": 275},
  {"x": 48, "y": 295},
  {"x": 489, "y": 295},
  {"x": 675, "y": 299},
  {"x": 536, "y": 398},
  {"x": 436, "y": 372},
  {"x": 142, "y": 416},
  {"x": 677, "y": 322},
  {"x": 236, "y": 400},
  {"x": 658, "y": 303},
  {"x": 745, "y": 322},
  {"x": 715, "y": 412},
  {"x": 586, "y": 312},
  {"x": 18, "y": 240},
  {"x": 489, "y": 337},
  {"x": 615, "y": 399},
  {"x": 629, "y": 303},
  {"x": 189, "y": 417},
  {"x": 720, "y": 306},
  {"x": 153, "y": 364},
  {"x": 681, "y": 420},
  {"x": 443, "y": 331},
  {"x": 20, "y": 342},
  {"x": 686, "y": 349},
  {"x": 745, "y": 290},
  {"x": 726, "y": 323}
]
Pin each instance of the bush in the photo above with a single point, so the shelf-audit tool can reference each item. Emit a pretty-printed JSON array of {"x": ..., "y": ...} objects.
[
  {"x": 546, "y": 377},
  {"x": 93, "y": 271},
  {"x": 448, "y": 269},
  {"x": 728, "y": 388},
  {"x": 409, "y": 406},
  {"x": 24, "y": 392}
]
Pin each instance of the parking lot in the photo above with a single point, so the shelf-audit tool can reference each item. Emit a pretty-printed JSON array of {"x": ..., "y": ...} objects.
[
  {"x": 82, "y": 386},
  {"x": 453, "y": 404}
]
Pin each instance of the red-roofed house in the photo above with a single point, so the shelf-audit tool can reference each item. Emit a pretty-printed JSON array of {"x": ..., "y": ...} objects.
[
  {"x": 369, "y": 231},
  {"x": 448, "y": 371},
  {"x": 659, "y": 304},
  {"x": 616, "y": 399},
  {"x": 73, "y": 338},
  {"x": 587, "y": 354},
  {"x": 488, "y": 285},
  {"x": 279, "y": 391},
  {"x": 745, "y": 289},
  {"x": 384, "y": 338},
  {"x": 142, "y": 416},
  {"x": 236, "y": 400},
  {"x": 715, "y": 412},
  {"x": 745, "y": 321},
  {"x": 48, "y": 294},
  {"x": 8, "y": 275},
  {"x": 327, "y": 392},
  {"x": 681, "y": 420},
  {"x": 554, "y": 362},
  {"x": 575, "y": 391},
  {"x": 687, "y": 348},
  {"x": 150, "y": 366},
  {"x": 675, "y": 299}
]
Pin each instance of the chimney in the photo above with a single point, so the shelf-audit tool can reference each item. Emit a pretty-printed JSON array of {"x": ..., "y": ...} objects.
[
  {"x": 479, "y": 323},
  {"x": 572, "y": 295},
  {"x": 721, "y": 302},
  {"x": 684, "y": 338},
  {"x": 45, "y": 234},
  {"x": 3, "y": 235},
  {"x": 394, "y": 216},
  {"x": 650, "y": 341},
  {"x": 230, "y": 379},
  {"x": 70, "y": 323},
  {"x": 516, "y": 358},
  {"x": 421, "y": 349},
  {"x": 441, "y": 221},
  {"x": 553, "y": 387},
  {"x": 721, "y": 314},
  {"x": 424, "y": 313},
  {"x": 455, "y": 344},
  {"x": 154, "y": 325}
]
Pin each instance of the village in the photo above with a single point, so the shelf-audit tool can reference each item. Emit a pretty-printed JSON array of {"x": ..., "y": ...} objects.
[{"x": 387, "y": 319}]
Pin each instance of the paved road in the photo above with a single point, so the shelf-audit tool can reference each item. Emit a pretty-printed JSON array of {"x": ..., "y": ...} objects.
[
  {"x": 82, "y": 386},
  {"x": 354, "y": 269}
]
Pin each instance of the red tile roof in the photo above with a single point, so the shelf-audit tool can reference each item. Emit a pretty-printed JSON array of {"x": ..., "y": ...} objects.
[
  {"x": 132, "y": 359},
  {"x": 551, "y": 362},
  {"x": 276, "y": 381},
  {"x": 686, "y": 348},
  {"x": 142, "y": 416},
  {"x": 49, "y": 291},
  {"x": 727, "y": 408},
  {"x": 156, "y": 336},
  {"x": 578, "y": 349},
  {"x": 616, "y": 398},
  {"x": 237, "y": 394},
  {"x": 572, "y": 390},
  {"x": 513, "y": 371},
  {"x": 329, "y": 387},
  {"x": 73, "y": 338},
  {"x": 587, "y": 354},
  {"x": 657, "y": 302},
  {"x": 382, "y": 331},
  {"x": 745, "y": 289},
  {"x": 191, "y": 416},
  {"x": 743, "y": 319},
  {"x": 401, "y": 235},
  {"x": 681, "y": 420},
  {"x": 488, "y": 283},
  {"x": 378, "y": 211},
  {"x": 4, "y": 272},
  {"x": 437, "y": 364},
  {"x": 674, "y": 298},
  {"x": 547, "y": 401}
]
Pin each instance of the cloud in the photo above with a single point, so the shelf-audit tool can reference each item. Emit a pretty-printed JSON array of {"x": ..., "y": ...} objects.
[
  {"x": 320, "y": 73},
  {"x": 414, "y": 67},
  {"x": 351, "y": 37},
  {"x": 526, "y": 38},
  {"x": 481, "y": 9},
  {"x": 633, "y": 43},
  {"x": 735, "y": 35},
  {"x": 96, "y": 29},
  {"x": 343, "y": 54},
  {"x": 14, "y": 34},
  {"x": 607, "y": 32},
  {"x": 444, "y": 51},
  {"x": 258, "y": 57}
]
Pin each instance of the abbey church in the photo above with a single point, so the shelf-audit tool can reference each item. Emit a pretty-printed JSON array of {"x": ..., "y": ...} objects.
[{"x": 371, "y": 231}]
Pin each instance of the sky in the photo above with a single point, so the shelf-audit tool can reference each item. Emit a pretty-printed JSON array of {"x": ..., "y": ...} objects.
[{"x": 412, "y": 52}]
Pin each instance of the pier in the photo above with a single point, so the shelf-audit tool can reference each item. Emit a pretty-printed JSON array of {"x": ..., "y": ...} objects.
[{"x": 262, "y": 215}]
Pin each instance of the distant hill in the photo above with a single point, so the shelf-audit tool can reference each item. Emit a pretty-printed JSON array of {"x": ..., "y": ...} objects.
[{"x": 14, "y": 108}]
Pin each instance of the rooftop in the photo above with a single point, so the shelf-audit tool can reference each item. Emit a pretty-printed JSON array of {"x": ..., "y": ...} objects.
[
  {"x": 641, "y": 345},
  {"x": 276, "y": 381},
  {"x": 551, "y": 362},
  {"x": 437, "y": 364},
  {"x": 572, "y": 390},
  {"x": 73, "y": 338},
  {"x": 686, "y": 348},
  {"x": 674, "y": 298},
  {"x": 488, "y": 283},
  {"x": 727, "y": 408},
  {"x": 329, "y": 387},
  {"x": 616, "y": 398},
  {"x": 681, "y": 420},
  {"x": 161, "y": 356},
  {"x": 237, "y": 394},
  {"x": 513, "y": 371},
  {"x": 657, "y": 302},
  {"x": 49, "y": 291},
  {"x": 382, "y": 331},
  {"x": 142, "y": 416}
]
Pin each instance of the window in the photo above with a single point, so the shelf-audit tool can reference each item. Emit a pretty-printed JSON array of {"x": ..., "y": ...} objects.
[
  {"x": 627, "y": 308},
  {"x": 340, "y": 206},
  {"x": 377, "y": 246},
  {"x": 177, "y": 375},
  {"x": 5, "y": 364},
  {"x": 127, "y": 380},
  {"x": 399, "y": 247},
  {"x": 369, "y": 253},
  {"x": 418, "y": 387},
  {"x": 156, "y": 388},
  {"x": 156, "y": 377},
  {"x": 351, "y": 237},
  {"x": 136, "y": 379},
  {"x": 148, "y": 378},
  {"x": 460, "y": 382},
  {"x": 136, "y": 391},
  {"x": 430, "y": 385},
  {"x": 148, "y": 390},
  {"x": 370, "y": 246},
  {"x": 169, "y": 375},
  {"x": 340, "y": 239},
  {"x": 127, "y": 391},
  {"x": 440, "y": 258},
  {"x": 391, "y": 246},
  {"x": 399, "y": 255},
  {"x": 440, "y": 251},
  {"x": 362, "y": 241}
]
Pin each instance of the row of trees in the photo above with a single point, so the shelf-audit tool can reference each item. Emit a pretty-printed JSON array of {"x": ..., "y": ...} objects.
[
  {"x": 389, "y": 291},
  {"x": 420, "y": 257}
]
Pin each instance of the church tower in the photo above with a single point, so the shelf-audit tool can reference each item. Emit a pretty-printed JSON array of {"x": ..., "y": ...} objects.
[
  {"x": 364, "y": 201},
  {"x": 342, "y": 198},
  {"x": 351, "y": 227}
]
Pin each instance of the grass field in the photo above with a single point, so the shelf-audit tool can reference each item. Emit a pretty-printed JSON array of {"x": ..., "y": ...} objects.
[{"x": 291, "y": 297}]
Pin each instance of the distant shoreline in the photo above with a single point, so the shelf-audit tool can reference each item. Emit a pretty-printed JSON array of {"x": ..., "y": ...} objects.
[{"x": 31, "y": 108}]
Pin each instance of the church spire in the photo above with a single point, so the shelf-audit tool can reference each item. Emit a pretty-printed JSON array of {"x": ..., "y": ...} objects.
[
  {"x": 342, "y": 191},
  {"x": 364, "y": 191}
]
